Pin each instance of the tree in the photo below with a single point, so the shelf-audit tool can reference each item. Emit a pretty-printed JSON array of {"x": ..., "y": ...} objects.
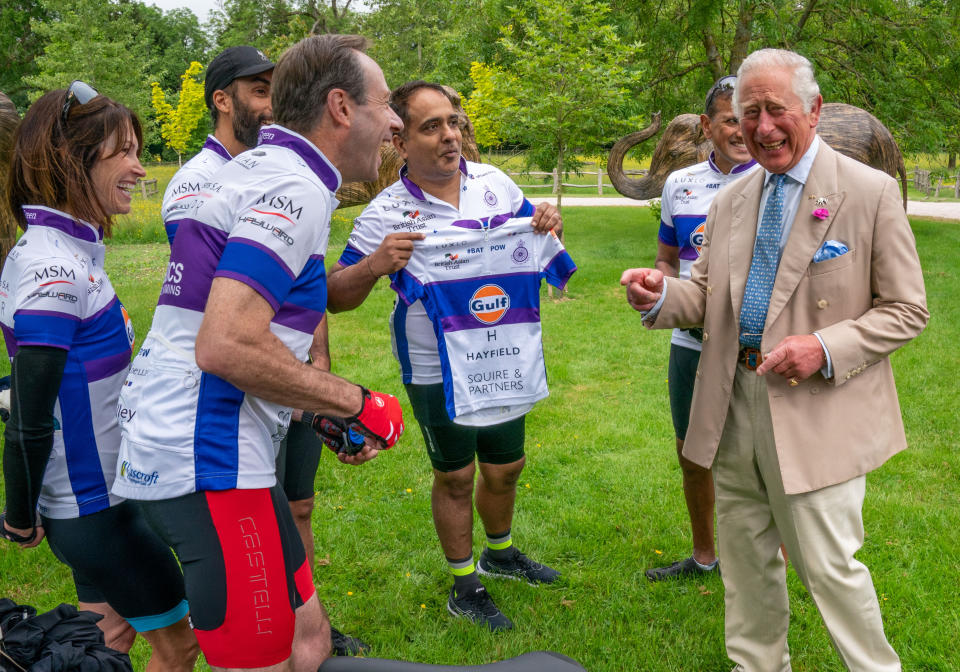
[
  {"x": 19, "y": 47},
  {"x": 486, "y": 105},
  {"x": 96, "y": 42},
  {"x": 177, "y": 125},
  {"x": 566, "y": 71}
]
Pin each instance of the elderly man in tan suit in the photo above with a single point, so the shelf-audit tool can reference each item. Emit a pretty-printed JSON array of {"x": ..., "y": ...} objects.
[{"x": 808, "y": 280}]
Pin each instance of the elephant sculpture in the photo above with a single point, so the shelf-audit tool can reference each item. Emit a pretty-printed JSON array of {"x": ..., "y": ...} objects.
[
  {"x": 848, "y": 129},
  {"x": 9, "y": 120},
  {"x": 358, "y": 193}
]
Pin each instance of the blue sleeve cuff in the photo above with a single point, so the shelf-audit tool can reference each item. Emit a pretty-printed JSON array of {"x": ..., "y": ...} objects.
[{"x": 827, "y": 370}]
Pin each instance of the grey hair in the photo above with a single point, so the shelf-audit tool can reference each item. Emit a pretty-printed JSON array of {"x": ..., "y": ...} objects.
[{"x": 802, "y": 83}]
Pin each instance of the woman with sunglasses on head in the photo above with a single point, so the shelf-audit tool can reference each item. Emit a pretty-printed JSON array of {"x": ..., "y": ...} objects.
[{"x": 75, "y": 162}]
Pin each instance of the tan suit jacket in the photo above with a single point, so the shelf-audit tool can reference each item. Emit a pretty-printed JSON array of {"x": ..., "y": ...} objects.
[{"x": 865, "y": 304}]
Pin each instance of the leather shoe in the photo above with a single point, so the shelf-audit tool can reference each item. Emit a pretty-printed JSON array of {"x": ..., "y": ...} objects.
[{"x": 684, "y": 568}]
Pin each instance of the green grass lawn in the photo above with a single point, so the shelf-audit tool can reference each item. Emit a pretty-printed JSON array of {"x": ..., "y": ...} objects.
[{"x": 600, "y": 498}]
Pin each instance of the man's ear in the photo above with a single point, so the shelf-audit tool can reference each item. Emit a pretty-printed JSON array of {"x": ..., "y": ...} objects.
[
  {"x": 340, "y": 107},
  {"x": 223, "y": 101},
  {"x": 401, "y": 145}
]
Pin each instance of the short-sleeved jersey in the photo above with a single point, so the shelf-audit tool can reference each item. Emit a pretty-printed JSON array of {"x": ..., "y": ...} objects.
[
  {"x": 687, "y": 195},
  {"x": 187, "y": 183},
  {"x": 480, "y": 285},
  {"x": 55, "y": 293},
  {"x": 486, "y": 194},
  {"x": 266, "y": 224}
]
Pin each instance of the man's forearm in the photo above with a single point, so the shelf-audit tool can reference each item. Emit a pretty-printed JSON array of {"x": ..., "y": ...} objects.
[{"x": 349, "y": 286}]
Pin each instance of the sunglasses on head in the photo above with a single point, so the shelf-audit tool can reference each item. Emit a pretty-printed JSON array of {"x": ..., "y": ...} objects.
[
  {"x": 78, "y": 91},
  {"x": 723, "y": 84}
]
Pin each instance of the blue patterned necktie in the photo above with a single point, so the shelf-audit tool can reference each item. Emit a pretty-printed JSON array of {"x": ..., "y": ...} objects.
[{"x": 763, "y": 268}]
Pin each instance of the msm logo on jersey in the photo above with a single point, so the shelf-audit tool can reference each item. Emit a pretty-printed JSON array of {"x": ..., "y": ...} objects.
[
  {"x": 489, "y": 304},
  {"x": 696, "y": 237}
]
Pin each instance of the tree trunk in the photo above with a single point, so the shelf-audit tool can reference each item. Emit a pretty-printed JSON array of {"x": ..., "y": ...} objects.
[{"x": 952, "y": 160}]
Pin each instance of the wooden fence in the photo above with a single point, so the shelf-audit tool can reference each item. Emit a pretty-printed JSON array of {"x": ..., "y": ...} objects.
[
  {"x": 599, "y": 185},
  {"x": 147, "y": 187},
  {"x": 922, "y": 182}
]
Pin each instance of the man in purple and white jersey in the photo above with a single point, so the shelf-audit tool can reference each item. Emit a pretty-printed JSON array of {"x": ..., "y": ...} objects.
[
  {"x": 442, "y": 194},
  {"x": 687, "y": 195},
  {"x": 237, "y": 92},
  {"x": 211, "y": 392}
]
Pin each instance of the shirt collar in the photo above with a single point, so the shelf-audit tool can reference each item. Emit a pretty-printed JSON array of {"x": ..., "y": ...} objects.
[
  {"x": 737, "y": 169},
  {"x": 216, "y": 147},
  {"x": 416, "y": 191},
  {"x": 38, "y": 215},
  {"x": 800, "y": 172},
  {"x": 283, "y": 137}
]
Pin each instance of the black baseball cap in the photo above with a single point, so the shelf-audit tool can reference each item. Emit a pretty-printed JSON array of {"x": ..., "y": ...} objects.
[{"x": 231, "y": 64}]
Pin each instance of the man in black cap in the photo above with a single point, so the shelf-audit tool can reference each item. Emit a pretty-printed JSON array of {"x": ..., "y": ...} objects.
[{"x": 237, "y": 93}]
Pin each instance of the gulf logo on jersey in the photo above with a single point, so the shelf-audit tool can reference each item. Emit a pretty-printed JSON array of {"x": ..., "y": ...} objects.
[
  {"x": 489, "y": 304},
  {"x": 128, "y": 325},
  {"x": 696, "y": 238}
]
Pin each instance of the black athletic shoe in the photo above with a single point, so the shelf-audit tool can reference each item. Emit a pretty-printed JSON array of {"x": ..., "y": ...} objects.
[
  {"x": 477, "y": 605},
  {"x": 345, "y": 645},
  {"x": 517, "y": 566},
  {"x": 678, "y": 570}
]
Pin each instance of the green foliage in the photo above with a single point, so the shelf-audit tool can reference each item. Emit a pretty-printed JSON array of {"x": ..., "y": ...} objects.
[
  {"x": 19, "y": 47},
  {"x": 487, "y": 104},
  {"x": 177, "y": 126},
  {"x": 566, "y": 70},
  {"x": 97, "y": 42}
]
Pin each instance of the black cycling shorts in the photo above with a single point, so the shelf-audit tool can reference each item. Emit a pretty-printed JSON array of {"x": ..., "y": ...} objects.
[
  {"x": 117, "y": 558},
  {"x": 452, "y": 446},
  {"x": 245, "y": 569},
  {"x": 297, "y": 461},
  {"x": 681, "y": 376}
]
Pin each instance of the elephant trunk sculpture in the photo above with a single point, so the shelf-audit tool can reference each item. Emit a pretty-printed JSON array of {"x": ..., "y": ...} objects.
[
  {"x": 848, "y": 129},
  {"x": 9, "y": 120}
]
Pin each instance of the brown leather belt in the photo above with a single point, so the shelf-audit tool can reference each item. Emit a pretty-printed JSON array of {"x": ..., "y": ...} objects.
[{"x": 750, "y": 358}]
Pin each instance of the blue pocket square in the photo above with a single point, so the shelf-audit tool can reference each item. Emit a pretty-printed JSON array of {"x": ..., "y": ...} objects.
[{"x": 829, "y": 250}]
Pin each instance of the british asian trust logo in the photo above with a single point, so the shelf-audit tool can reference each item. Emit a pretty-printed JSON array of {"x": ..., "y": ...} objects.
[{"x": 489, "y": 304}]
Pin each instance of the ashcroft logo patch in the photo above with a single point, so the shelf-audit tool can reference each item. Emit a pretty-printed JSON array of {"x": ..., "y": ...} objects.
[
  {"x": 489, "y": 304},
  {"x": 136, "y": 476}
]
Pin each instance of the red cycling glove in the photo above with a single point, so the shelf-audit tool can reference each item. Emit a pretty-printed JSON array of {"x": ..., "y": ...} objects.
[{"x": 380, "y": 417}]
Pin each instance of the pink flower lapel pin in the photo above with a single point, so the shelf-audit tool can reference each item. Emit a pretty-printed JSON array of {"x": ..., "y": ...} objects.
[{"x": 821, "y": 213}]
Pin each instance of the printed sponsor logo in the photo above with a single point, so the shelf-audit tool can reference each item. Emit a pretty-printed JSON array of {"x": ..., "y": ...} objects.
[
  {"x": 136, "y": 476},
  {"x": 245, "y": 161},
  {"x": 520, "y": 253},
  {"x": 696, "y": 238},
  {"x": 185, "y": 189},
  {"x": 713, "y": 185},
  {"x": 451, "y": 257},
  {"x": 29, "y": 215},
  {"x": 489, "y": 304},
  {"x": 174, "y": 277},
  {"x": 275, "y": 230},
  {"x": 267, "y": 135},
  {"x": 52, "y": 294},
  {"x": 128, "y": 325},
  {"x": 95, "y": 285},
  {"x": 54, "y": 273},
  {"x": 489, "y": 198},
  {"x": 279, "y": 204}
]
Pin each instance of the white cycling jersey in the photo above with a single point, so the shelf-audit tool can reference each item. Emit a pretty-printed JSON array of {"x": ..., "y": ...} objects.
[
  {"x": 55, "y": 293},
  {"x": 486, "y": 194},
  {"x": 687, "y": 195},
  {"x": 187, "y": 184},
  {"x": 266, "y": 224},
  {"x": 479, "y": 282}
]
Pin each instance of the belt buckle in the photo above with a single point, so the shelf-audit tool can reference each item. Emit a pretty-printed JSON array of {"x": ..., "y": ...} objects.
[{"x": 751, "y": 358}]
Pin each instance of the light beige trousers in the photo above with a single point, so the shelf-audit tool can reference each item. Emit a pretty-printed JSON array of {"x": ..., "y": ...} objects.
[{"x": 821, "y": 531}]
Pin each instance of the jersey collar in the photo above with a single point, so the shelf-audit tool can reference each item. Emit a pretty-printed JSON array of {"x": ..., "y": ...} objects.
[
  {"x": 740, "y": 168},
  {"x": 216, "y": 147},
  {"x": 416, "y": 191},
  {"x": 38, "y": 215},
  {"x": 306, "y": 150}
]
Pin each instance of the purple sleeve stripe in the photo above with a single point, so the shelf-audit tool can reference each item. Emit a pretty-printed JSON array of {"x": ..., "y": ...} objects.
[
  {"x": 98, "y": 369},
  {"x": 453, "y": 323},
  {"x": 45, "y": 313},
  {"x": 317, "y": 257},
  {"x": 298, "y": 318},
  {"x": 253, "y": 284},
  {"x": 45, "y": 344},
  {"x": 103, "y": 311}
]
